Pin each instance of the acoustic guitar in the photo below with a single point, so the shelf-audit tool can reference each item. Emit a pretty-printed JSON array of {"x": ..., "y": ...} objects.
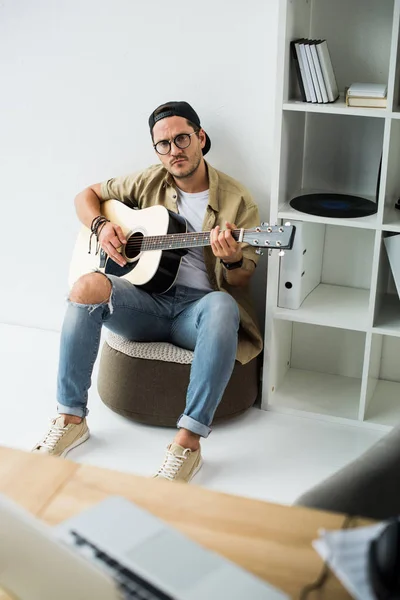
[{"x": 156, "y": 241}]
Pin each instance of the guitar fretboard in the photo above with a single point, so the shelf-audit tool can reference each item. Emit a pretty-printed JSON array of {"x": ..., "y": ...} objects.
[{"x": 177, "y": 240}]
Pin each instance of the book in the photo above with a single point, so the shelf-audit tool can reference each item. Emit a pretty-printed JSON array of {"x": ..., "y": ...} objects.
[
  {"x": 315, "y": 75},
  {"x": 307, "y": 45},
  {"x": 298, "y": 63},
  {"x": 307, "y": 71},
  {"x": 318, "y": 70},
  {"x": 363, "y": 102},
  {"x": 367, "y": 90},
  {"x": 327, "y": 71}
]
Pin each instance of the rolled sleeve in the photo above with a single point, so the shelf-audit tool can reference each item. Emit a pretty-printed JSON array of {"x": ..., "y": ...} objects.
[
  {"x": 124, "y": 189},
  {"x": 247, "y": 219}
]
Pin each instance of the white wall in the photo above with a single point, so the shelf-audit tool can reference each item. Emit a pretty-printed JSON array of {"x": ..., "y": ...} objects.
[{"x": 78, "y": 81}]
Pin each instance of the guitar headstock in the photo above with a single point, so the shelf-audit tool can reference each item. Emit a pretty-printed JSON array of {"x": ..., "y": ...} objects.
[{"x": 271, "y": 237}]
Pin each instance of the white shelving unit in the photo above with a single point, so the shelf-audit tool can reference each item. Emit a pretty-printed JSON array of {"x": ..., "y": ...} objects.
[{"x": 336, "y": 357}]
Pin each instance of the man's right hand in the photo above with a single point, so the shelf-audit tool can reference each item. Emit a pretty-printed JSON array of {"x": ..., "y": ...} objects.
[{"x": 111, "y": 237}]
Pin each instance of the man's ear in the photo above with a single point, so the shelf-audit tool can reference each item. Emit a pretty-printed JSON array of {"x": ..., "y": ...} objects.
[{"x": 202, "y": 138}]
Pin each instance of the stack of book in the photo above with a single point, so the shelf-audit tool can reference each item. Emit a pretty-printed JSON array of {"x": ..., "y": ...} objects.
[
  {"x": 314, "y": 70},
  {"x": 371, "y": 95}
]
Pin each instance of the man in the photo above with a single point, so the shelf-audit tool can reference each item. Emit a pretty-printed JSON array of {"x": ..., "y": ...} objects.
[{"x": 204, "y": 311}]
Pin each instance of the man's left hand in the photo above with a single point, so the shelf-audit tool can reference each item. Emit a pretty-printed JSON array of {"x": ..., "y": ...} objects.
[{"x": 224, "y": 245}]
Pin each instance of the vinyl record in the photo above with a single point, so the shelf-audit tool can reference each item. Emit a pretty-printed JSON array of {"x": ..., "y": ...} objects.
[{"x": 341, "y": 206}]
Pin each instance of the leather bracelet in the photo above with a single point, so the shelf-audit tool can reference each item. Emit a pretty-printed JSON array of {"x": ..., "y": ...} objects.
[
  {"x": 235, "y": 265},
  {"x": 97, "y": 221}
]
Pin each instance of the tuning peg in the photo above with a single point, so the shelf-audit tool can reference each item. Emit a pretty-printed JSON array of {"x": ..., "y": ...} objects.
[
  {"x": 264, "y": 224},
  {"x": 287, "y": 224},
  {"x": 281, "y": 253},
  {"x": 260, "y": 252}
]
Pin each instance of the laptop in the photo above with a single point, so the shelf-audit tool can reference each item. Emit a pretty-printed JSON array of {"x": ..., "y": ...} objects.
[{"x": 112, "y": 551}]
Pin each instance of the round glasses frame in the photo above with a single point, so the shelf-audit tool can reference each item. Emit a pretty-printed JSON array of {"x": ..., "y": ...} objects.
[{"x": 184, "y": 142}]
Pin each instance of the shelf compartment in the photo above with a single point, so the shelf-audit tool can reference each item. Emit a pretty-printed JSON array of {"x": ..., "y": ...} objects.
[
  {"x": 361, "y": 28},
  {"x": 387, "y": 320},
  {"x": 318, "y": 394},
  {"x": 315, "y": 370},
  {"x": 391, "y": 216},
  {"x": 387, "y": 304},
  {"x": 326, "y": 278},
  {"x": 326, "y": 153},
  {"x": 384, "y": 407},
  {"x": 394, "y": 73},
  {"x": 383, "y": 389},
  {"x": 332, "y": 306}
]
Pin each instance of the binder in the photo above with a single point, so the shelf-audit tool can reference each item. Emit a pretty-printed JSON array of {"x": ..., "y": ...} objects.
[
  {"x": 301, "y": 268},
  {"x": 307, "y": 71},
  {"x": 327, "y": 71},
  {"x": 318, "y": 70},
  {"x": 314, "y": 77},
  {"x": 315, "y": 74},
  {"x": 301, "y": 76}
]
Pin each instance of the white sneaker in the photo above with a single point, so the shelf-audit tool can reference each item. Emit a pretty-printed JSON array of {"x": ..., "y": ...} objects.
[
  {"x": 61, "y": 438},
  {"x": 180, "y": 464}
]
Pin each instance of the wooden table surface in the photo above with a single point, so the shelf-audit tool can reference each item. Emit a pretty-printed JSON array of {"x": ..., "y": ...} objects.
[{"x": 270, "y": 540}]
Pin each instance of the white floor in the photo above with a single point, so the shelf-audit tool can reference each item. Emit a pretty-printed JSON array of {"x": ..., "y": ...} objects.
[{"x": 261, "y": 454}]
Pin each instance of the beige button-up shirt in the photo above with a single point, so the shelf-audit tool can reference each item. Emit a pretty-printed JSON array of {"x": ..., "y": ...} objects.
[{"x": 228, "y": 201}]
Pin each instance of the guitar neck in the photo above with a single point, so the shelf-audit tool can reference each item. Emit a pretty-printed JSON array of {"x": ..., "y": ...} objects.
[{"x": 181, "y": 240}]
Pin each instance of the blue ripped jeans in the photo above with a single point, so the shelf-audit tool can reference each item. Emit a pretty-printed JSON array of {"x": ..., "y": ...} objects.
[{"x": 207, "y": 323}]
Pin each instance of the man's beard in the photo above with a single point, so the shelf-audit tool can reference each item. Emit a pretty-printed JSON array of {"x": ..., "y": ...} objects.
[{"x": 191, "y": 171}]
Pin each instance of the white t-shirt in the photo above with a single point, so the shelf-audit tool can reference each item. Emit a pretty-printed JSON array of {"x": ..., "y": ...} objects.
[{"x": 192, "y": 271}]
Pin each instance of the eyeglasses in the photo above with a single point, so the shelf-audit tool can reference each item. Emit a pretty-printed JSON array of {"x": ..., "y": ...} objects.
[{"x": 181, "y": 141}]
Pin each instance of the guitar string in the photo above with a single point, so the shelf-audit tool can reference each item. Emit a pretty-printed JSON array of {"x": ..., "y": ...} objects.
[
  {"x": 189, "y": 234},
  {"x": 177, "y": 238},
  {"x": 145, "y": 245},
  {"x": 147, "y": 241},
  {"x": 153, "y": 246}
]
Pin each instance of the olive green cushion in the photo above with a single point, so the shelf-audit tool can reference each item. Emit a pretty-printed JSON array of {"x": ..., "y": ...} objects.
[{"x": 154, "y": 391}]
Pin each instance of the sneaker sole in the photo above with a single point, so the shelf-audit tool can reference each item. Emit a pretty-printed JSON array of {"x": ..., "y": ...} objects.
[
  {"x": 197, "y": 469},
  {"x": 77, "y": 442}
]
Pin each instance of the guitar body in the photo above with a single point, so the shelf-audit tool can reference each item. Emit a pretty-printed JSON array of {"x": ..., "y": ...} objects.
[{"x": 154, "y": 270}]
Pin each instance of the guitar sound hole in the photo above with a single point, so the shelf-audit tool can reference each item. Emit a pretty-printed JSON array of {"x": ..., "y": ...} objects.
[{"x": 133, "y": 245}]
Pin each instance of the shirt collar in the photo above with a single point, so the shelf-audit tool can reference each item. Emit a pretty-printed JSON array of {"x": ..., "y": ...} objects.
[{"x": 212, "y": 183}]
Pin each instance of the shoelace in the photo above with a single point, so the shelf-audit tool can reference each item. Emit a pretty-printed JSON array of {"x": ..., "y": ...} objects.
[
  {"x": 172, "y": 464},
  {"x": 55, "y": 433}
]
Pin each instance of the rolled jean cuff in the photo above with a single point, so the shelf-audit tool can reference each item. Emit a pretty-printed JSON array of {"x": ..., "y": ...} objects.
[
  {"x": 186, "y": 422},
  {"x": 62, "y": 409}
]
